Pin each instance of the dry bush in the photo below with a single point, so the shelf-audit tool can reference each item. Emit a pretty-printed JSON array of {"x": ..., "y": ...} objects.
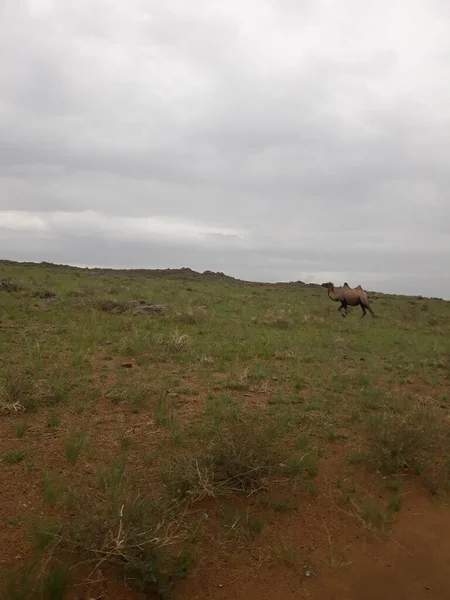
[
  {"x": 143, "y": 538},
  {"x": 44, "y": 294},
  {"x": 241, "y": 381},
  {"x": 17, "y": 393},
  {"x": 313, "y": 320},
  {"x": 238, "y": 460},
  {"x": 277, "y": 319},
  {"x": 111, "y": 306},
  {"x": 410, "y": 437},
  {"x": 191, "y": 315},
  {"x": 147, "y": 544},
  {"x": 137, "y": 307},
  {"x": 175, "y": 342}
]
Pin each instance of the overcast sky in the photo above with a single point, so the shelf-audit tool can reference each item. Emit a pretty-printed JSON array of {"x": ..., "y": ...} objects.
[{"x": 278, "y": 140}]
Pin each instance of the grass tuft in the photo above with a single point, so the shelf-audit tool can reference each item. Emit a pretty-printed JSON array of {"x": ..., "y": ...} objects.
[
  {"x": 14, "y": 456},
  {"x": 75, "y": 445}
]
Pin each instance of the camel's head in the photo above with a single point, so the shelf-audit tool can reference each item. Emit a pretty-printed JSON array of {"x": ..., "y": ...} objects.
[{"x": 328, "y": 285}]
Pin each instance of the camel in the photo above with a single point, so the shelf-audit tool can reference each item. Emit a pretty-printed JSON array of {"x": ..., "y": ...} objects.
[{"x": 348, "y": 296}]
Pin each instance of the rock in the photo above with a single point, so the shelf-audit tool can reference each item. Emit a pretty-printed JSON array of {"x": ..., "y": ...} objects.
[
  {"x": 309, "y": 571},
  {"x": 127, "y": 365},
  {"x": 138, "y": 306},
  {"x": 44, "y": 294},
  {"x": 110, "y": 306},
  {"x": 9, "y": 286},
  {"x": 150, "y": 309}
]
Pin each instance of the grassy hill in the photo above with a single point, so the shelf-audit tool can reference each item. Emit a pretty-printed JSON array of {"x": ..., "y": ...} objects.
[{"x": 186, "y": 434}]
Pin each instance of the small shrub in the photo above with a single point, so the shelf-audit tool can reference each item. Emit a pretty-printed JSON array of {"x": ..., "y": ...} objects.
[
  {"x": 313, "y": 319},
  {"x": 9, "y": 286},
  {"x": 241, "y": 524},
  {"x": 277, "y": 319},
  {"x": 111, "y": 481},
  {"x": 373, "y": 516},
  {"x": 21, "y": 429},
  {"x": 239, "y": 383},
  {"x": 125, "y": 443},
  {"x": 44, "y": 294},
  {"x": 164, "y": 416},
  {"x": 111, "y": 306},
  {"x": 44, "y": 534},
  {"x": 135, "y": 394},
  {"x": 404, "y": 439},
  {"x": 192, "y": 315},
  {"x": 143, "y": 540},
  {"x": 238, "y": 460},
  {"x": 19, "y": 585},
  {"x": 395, "y": 503},
  {"x": 56, "y": 583},
  {"x": 17, "y": 393},
  {"x": 176, "y": 342},
  {"x": 306, "y": 465},
  {"x": 52, "y": 390},
  {"x": 53, "y": 420},
  {"x": 51, "y": 489}
]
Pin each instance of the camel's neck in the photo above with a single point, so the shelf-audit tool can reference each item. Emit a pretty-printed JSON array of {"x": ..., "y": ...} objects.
[{"x": 332, "y": 294}]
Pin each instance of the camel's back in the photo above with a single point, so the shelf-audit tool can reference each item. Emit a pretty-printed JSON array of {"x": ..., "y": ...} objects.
[
  {"x": 354, "y": 296},
  {"x": 364, "y": 296}
]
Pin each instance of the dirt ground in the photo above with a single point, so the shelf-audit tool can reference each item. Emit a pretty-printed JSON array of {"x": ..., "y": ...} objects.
[
  {"x": 412, "y": 564},
  {"x": 320, "y": 551},
  {"x": 343, "y": 562}
]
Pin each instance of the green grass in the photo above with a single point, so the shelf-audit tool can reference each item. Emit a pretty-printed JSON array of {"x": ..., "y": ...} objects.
[
  {"x": 75, "y": 445},
  {"x": 241, "y": 524},
  {"x": 21, "y": 429},
  {"x": 14, "y": 456},
  {"x": 247, "y": 397}
]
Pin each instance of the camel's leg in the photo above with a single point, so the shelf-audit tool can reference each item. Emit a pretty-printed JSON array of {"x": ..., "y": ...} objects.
[
  {"x": 343, "y": 306},
  {"x": 363, "y": 311},
  {"x": 371, "y": 311}
]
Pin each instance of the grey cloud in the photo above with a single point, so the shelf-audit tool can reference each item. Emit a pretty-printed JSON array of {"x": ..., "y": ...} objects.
[
  {"x": 296, "y": 122},
  {"x": 251, "y": 265}
]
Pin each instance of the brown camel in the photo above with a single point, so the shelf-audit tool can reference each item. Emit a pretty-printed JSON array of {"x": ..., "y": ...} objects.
[{"x": 348, "y": 296}]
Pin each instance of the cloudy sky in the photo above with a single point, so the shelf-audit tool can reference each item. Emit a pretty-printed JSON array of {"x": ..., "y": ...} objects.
[{"x": 277, "y": 140}]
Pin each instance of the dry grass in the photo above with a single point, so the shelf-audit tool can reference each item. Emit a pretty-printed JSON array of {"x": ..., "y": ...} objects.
[
  {"x": 238, "y": 460},
  {"x": 406, "y": 437},
  {"x": 278, "y": 319},
  {"x": 191, "y": 315},
  {"x": 16, "y": 392},
  {"x": 174, "y": 342},
  {"x": 144, "y": 540}
]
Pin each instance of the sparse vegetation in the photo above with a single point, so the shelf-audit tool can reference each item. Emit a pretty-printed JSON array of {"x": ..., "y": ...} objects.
[
  {"x": 137, "y": 434},
  {"x": 406, "y": 437}
]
